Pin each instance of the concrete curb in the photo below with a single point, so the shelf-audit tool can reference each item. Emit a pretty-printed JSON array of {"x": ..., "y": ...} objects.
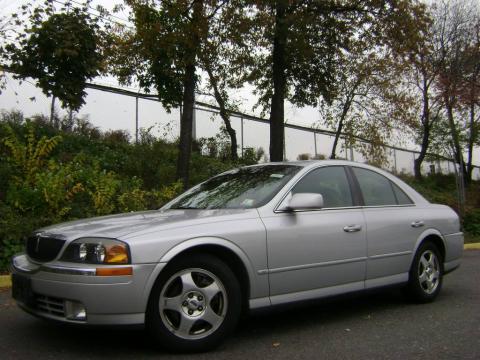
[
  {"x": 6, "y": 281},
  {"x": 472, "y": 246}
]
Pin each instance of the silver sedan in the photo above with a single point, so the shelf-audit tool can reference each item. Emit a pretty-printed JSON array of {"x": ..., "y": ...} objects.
[{"x": 249, "y": 238}]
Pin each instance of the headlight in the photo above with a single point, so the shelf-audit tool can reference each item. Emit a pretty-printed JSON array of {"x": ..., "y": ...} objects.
[{"x": 97, "y": 251}]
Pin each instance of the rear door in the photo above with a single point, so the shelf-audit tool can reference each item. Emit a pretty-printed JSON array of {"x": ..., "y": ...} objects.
[{"x": 393, "y": 226}]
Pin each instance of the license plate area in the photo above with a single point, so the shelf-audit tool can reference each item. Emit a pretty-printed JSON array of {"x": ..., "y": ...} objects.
[{"x": 22, "y": 290}]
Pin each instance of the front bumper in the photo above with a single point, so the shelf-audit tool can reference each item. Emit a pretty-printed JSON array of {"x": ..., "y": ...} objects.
[{"x": 108, "y": 300}]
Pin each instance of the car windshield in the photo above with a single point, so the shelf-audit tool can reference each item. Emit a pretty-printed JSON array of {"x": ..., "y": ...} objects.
[{"x": 243, "y": 188}]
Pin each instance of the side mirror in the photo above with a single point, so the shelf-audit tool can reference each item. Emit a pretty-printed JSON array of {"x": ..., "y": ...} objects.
[{"x": 305, "y": 201}]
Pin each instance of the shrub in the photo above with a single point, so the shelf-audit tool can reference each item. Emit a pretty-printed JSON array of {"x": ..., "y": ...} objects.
[{"x": 49, "y": 176}]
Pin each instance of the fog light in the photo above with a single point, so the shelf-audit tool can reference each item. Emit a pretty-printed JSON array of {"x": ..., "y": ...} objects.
[{"x": 75, "y": 311}]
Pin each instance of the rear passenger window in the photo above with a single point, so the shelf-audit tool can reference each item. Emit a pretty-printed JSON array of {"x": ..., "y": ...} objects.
[
  {"x": 402, "y": 198},
  {"x": 331, "y": 182},
  {"x": 377, "y": 190}
]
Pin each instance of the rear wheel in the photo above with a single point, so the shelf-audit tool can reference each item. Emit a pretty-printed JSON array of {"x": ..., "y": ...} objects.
[
  {"x": 194, "y": 305},
  {"x": 426, "y": 274}
]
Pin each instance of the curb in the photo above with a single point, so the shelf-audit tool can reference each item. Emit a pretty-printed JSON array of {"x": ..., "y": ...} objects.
[
  {"x": 472, "y": 246},
  {"x": 6, "y": 280}
]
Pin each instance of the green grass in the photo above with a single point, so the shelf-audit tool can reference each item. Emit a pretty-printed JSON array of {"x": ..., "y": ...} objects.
[{"x": 470, "y": 239}]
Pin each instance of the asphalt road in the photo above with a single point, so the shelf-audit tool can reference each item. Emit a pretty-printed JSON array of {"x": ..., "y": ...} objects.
[{"x": 380, "y": 325}]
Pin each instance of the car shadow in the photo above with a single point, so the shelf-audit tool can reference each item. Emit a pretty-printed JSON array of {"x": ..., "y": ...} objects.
[{"x": 256, "y": 327}]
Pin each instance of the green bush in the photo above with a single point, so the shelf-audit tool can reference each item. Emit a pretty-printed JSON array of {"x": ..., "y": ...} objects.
[
  {"x": 472, "y": 222},
  {"x": 49, "y": 175}
]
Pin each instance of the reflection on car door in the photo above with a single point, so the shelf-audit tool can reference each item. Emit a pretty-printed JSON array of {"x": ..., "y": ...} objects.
[
  {"x": 393, "y": 226},
  {"x": 317, "y": 252}
]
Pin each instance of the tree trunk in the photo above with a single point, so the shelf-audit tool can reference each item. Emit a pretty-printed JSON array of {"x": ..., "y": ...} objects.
[
  {"x": 186, "y": 124},
  {"x": 346, "y": 108},
  {"x": 224, "y": 114},
  {"x": 455, "y": 138},
  {"x": 52, "y": 111},
  {"x": 333, "y": 155},
  {"x": 188, "y": 102},
  {"x": 417, "y": 164},
  {"x": 471, "y": 140},
  {"x": 277, "y": 112}
]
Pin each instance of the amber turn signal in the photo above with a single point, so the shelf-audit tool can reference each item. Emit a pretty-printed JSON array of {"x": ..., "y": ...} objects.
[
  {"x": 117, "y": 271},
  {"x": 116, "y": 254}
]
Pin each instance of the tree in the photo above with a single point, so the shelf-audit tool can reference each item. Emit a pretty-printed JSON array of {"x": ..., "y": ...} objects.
[
  {"x": 302, "y": 43},
  {"x": 368, "y": 102},
  {"x": 470, "y": 90},
  {"x": 60, "y": 50},
  {"x": 454, "y": 36},
  {"x": 170, "y": 45},
  {"x": 219, "y": 58},
  {"x": 421, "y": 76}
]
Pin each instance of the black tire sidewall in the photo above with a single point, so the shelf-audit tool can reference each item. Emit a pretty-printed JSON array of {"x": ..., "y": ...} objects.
[
  {"x": 162, "y": 336},
  {"x": 414, "y": 287}
]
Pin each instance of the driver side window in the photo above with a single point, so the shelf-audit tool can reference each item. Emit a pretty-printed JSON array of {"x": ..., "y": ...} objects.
[{"x": 331, "y": 182}]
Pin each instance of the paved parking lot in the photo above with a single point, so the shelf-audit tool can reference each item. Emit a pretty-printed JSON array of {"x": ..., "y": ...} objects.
[{"x": 378, "y": 325}]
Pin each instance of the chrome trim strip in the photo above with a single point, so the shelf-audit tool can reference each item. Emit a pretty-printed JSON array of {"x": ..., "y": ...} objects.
[
  {"x": 279, "y": 211},
  {"x": 382, "y": 256},
  {"x": 68, "y": 271},
  {"x": 31, "y": 268},
  {"x": 309, "y": 266},
  {"x": 388, "y": 206},
  {"x": 347, "y": 208}
]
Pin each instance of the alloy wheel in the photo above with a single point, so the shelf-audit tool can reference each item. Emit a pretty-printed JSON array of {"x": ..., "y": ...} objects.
[
  {"x": 193, "y": 303},
  {"x": 428, "y": 272}
]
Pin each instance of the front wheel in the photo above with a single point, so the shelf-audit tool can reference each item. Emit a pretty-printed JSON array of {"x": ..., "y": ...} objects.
[
  {"x": 426, "y": 274},
  {"x": 194, "y": 304}
]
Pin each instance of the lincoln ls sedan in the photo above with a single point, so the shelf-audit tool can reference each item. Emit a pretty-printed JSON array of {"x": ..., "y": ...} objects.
[{"x": 252, "y": 237}]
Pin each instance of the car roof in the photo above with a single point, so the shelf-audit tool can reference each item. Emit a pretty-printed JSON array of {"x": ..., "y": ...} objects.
[{"x": 307, "y": 163}]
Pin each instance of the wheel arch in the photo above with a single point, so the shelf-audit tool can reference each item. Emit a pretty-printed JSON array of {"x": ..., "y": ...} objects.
[
  {"x": 435, "y": 237},
  {"x": 225, "y": 250}
]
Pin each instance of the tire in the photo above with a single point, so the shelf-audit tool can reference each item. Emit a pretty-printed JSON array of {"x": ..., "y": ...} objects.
[
  {"x": 426, "y": 274},
  {"x": 194, "y": 305}
]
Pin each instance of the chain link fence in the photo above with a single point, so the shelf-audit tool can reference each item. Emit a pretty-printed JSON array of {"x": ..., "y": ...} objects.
[{"x": 111, "y": 107}]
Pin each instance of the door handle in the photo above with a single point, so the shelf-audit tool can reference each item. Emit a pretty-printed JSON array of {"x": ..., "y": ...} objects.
[
  {"x": 352, "y": 228},
  {"x": 417, "y": 224}
]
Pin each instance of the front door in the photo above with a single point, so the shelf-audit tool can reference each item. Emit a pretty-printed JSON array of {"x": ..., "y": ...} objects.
[{"x": 317, "y": 252}]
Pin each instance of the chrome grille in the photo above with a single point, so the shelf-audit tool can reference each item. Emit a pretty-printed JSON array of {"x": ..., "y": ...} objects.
[
  {"x": 50, "y": 305},
  {"x": 43, "y": 249}
]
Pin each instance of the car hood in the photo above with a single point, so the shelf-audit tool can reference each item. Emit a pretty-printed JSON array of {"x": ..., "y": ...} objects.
[{"x": 129, "y": 224}]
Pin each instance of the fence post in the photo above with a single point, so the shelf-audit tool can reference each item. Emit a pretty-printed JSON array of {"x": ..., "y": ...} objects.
[
  {"x": 241, "y": 132},
  {"x": 395, "y": 160},
  {"x": 136, "y": 119}
]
